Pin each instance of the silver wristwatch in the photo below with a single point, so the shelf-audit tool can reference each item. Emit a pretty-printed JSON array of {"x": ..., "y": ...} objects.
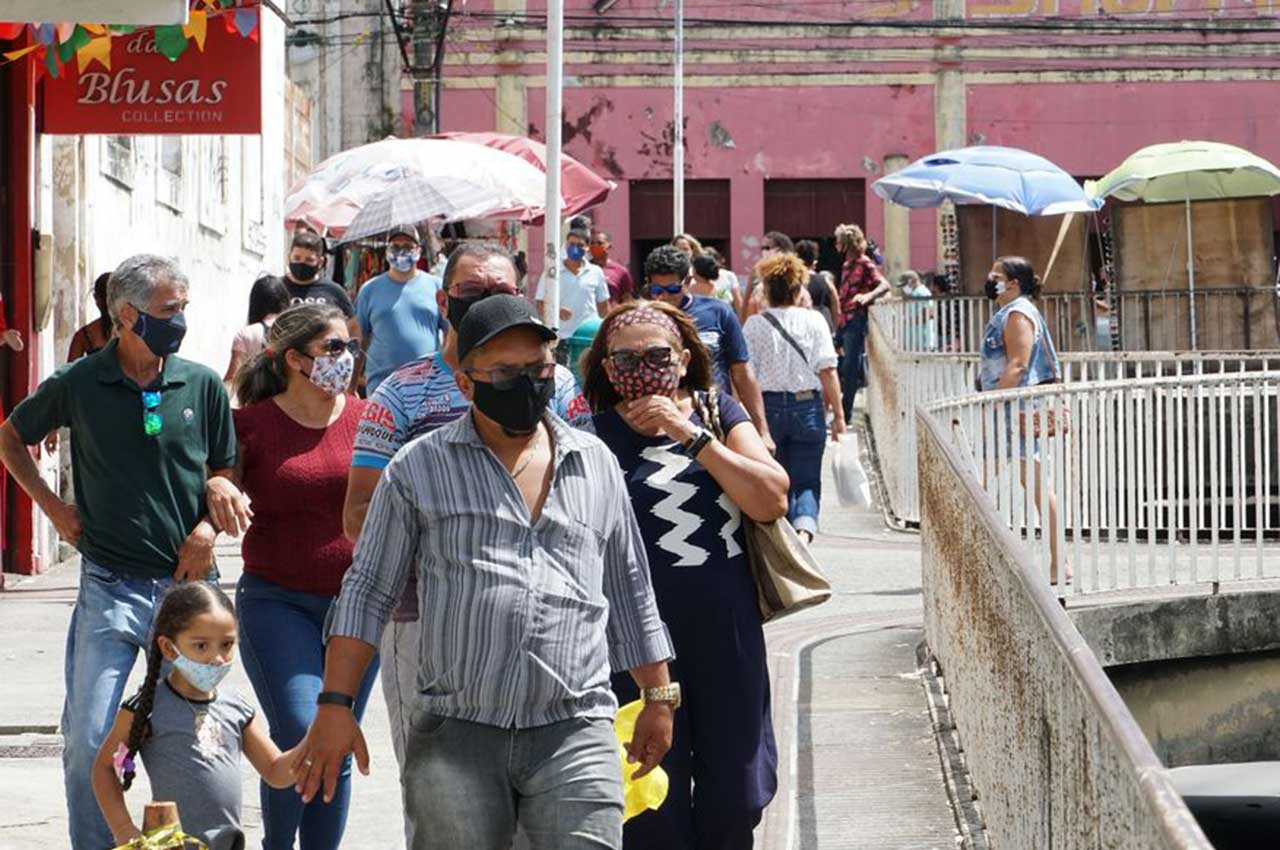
[{"x": 667, "y": 693}]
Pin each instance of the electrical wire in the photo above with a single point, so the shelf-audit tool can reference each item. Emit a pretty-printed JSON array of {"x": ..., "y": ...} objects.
[{"x": 1149, "y": 23}]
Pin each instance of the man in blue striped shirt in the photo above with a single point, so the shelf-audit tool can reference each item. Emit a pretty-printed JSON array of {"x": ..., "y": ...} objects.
[{"x": 532, "y": 584}]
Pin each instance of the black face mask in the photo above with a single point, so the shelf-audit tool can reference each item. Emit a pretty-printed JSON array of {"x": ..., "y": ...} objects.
[
  {"x": 517, "y": 405},
  {"x": 992, "y": 288},
  {"x": 457, "y": 308},
  {"x": 162, "y": 336},
  {"x": 303, "y": 271}
]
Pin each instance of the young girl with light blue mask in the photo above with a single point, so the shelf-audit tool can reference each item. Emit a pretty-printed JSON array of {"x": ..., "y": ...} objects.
[{"x": 189, "y": 732}]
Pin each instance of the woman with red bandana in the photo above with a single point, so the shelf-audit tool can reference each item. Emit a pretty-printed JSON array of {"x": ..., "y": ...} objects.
[{"x": 647, "y": 379}]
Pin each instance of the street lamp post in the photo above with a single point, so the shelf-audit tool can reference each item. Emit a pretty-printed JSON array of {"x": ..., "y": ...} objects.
[
  {"x": 677, "y": 158},
  {"x": 551, "y": 209}
]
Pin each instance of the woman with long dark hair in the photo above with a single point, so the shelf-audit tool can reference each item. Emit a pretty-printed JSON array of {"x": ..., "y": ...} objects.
[
  {"x": 295, "y": 427},
  {"x": 649, "y": 382},
  {"x": 268, "y": 298}
]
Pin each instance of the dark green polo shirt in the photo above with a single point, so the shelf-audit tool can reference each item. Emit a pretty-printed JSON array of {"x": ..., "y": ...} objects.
[{"x": 138, "y": 496}]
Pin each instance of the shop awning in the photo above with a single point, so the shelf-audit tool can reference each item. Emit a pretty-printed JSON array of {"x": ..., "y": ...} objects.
[{"x": 132, "y": 12}]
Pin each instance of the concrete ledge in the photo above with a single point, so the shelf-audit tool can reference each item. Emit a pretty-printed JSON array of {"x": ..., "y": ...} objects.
[{"x": 1191, "y": 626}]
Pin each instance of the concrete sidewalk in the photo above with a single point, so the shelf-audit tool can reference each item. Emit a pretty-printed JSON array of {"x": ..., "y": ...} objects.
[{"x": 859, "y": 764}]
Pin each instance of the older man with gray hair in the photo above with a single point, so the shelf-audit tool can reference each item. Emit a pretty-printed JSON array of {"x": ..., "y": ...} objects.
[{"x": 147, "y": 428}]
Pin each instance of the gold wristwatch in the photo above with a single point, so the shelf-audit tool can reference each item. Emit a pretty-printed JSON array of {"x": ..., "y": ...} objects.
[{"x": 667, "y": 693}]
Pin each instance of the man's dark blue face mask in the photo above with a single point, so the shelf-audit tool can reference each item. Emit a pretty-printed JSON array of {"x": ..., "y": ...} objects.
[{"x": 162, "y": 336}]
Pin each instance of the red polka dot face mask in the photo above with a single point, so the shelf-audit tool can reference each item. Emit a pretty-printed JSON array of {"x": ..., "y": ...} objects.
[
  {"x": 654, "y": 371},
  {"x": 635, "y": 374}
]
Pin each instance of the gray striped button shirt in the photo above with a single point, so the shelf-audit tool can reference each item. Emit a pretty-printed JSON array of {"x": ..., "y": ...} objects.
[{"x": 520, "y": 622}]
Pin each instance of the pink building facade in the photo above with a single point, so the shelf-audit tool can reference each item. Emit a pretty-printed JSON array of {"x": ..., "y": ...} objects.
[{"x": 793, "y": 109}]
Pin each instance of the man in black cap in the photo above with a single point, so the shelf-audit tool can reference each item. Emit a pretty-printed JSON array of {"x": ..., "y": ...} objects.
[
  {"x": 533, "y": 584},
  {"x": 399, "y": 319}
]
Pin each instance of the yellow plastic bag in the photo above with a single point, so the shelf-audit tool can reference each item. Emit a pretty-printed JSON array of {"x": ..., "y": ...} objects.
[
  {"x": 648, "y": 791},
  {"x": 163, "y": 838}
]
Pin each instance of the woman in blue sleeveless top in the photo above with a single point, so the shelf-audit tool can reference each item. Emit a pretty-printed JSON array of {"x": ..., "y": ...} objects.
[{"x": 1017, "y": 351}]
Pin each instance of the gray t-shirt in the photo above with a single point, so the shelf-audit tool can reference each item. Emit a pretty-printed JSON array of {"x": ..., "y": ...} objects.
[{"x": 192, "y": 757}]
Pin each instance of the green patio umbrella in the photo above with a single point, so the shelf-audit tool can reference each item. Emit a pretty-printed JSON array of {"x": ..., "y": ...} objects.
[{"x": 1186, "y": 172}]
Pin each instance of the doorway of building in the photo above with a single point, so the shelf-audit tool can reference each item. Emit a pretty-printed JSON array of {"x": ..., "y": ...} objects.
[
  {"x": 811, "y": 209},
  {"x": 706, "y": 216}
]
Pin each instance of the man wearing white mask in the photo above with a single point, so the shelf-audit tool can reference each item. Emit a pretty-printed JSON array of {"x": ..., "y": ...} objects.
[{"x": 399, "y": 319}]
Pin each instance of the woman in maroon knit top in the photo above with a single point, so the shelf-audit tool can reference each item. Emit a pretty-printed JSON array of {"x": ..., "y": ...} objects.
[{"x": 295, "y": 427}]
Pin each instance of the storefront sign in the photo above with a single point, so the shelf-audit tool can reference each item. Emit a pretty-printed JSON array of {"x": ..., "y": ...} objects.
[{"x": 138, "y": 90}]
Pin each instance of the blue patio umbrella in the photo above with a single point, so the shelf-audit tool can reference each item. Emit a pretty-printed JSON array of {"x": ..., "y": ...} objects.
[{"x": 1007, "y": 178}]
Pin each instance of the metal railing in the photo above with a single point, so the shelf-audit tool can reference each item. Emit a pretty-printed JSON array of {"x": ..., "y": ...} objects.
[
  {"x": 1136, "y": 484},
  {"x": 901, "y": 380},
  {"x": 1159, "y": 320},
  {"x": 1057, "y": 757}
]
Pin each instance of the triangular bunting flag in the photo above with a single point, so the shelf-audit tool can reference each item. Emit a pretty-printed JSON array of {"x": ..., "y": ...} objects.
[
  {"x": 98, "y": 50},
  {"x": 65, "y": 51},
  {"x": 171, "y": 42},
  {"x": 246, "y": 21},
  {"x": 15, "y": 55},
  {"x": 79, "y": 38},
  {"x": 197, "y": 28}
]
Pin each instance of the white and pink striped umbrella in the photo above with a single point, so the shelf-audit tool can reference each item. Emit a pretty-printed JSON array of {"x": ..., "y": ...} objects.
[{"x": 369, "y": 189}]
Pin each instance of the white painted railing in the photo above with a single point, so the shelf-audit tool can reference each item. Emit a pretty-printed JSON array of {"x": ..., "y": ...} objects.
[
  {"x": 1143, "y": 483},
  {"x": 900, "y": 380},
  {"x": 1133, "y": 321}
]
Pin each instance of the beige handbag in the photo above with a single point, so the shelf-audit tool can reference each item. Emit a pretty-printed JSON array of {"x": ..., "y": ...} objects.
[{"x": 787, "y": 577}]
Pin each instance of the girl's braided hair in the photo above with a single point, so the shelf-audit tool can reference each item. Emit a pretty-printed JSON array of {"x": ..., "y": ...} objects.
[{"x": 177, "y": 609}]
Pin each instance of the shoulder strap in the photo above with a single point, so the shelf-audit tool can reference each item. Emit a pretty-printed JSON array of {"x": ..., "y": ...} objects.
[{"x": 777, "y": 326}]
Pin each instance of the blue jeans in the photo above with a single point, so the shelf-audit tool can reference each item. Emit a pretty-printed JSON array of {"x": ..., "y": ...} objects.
[
  {"x": 110, "y": 623},
  {"x": 853, "y": 377},
  {"x": 799, "y": 428},
  {"x": 468, "y": 785},
  {"x": 282, "y": 643}
]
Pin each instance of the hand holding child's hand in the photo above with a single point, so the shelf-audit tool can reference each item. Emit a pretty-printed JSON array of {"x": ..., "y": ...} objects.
[{"x": 318, "y": 759}]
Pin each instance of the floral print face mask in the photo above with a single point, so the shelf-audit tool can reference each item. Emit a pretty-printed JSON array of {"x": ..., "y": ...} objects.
[{"x": 332, "y": 374}]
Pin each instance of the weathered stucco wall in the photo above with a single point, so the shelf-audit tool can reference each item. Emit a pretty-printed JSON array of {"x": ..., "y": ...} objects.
[
  {"x": 1057, "y": 759},
  {"x": 832, "y": 93}
]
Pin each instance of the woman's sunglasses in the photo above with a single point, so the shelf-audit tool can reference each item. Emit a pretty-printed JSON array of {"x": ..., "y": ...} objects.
[
  {"x": 656, "y": 357},
  {"x": 671, "y": 288},
  {"x": 334, "y": 346}
]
